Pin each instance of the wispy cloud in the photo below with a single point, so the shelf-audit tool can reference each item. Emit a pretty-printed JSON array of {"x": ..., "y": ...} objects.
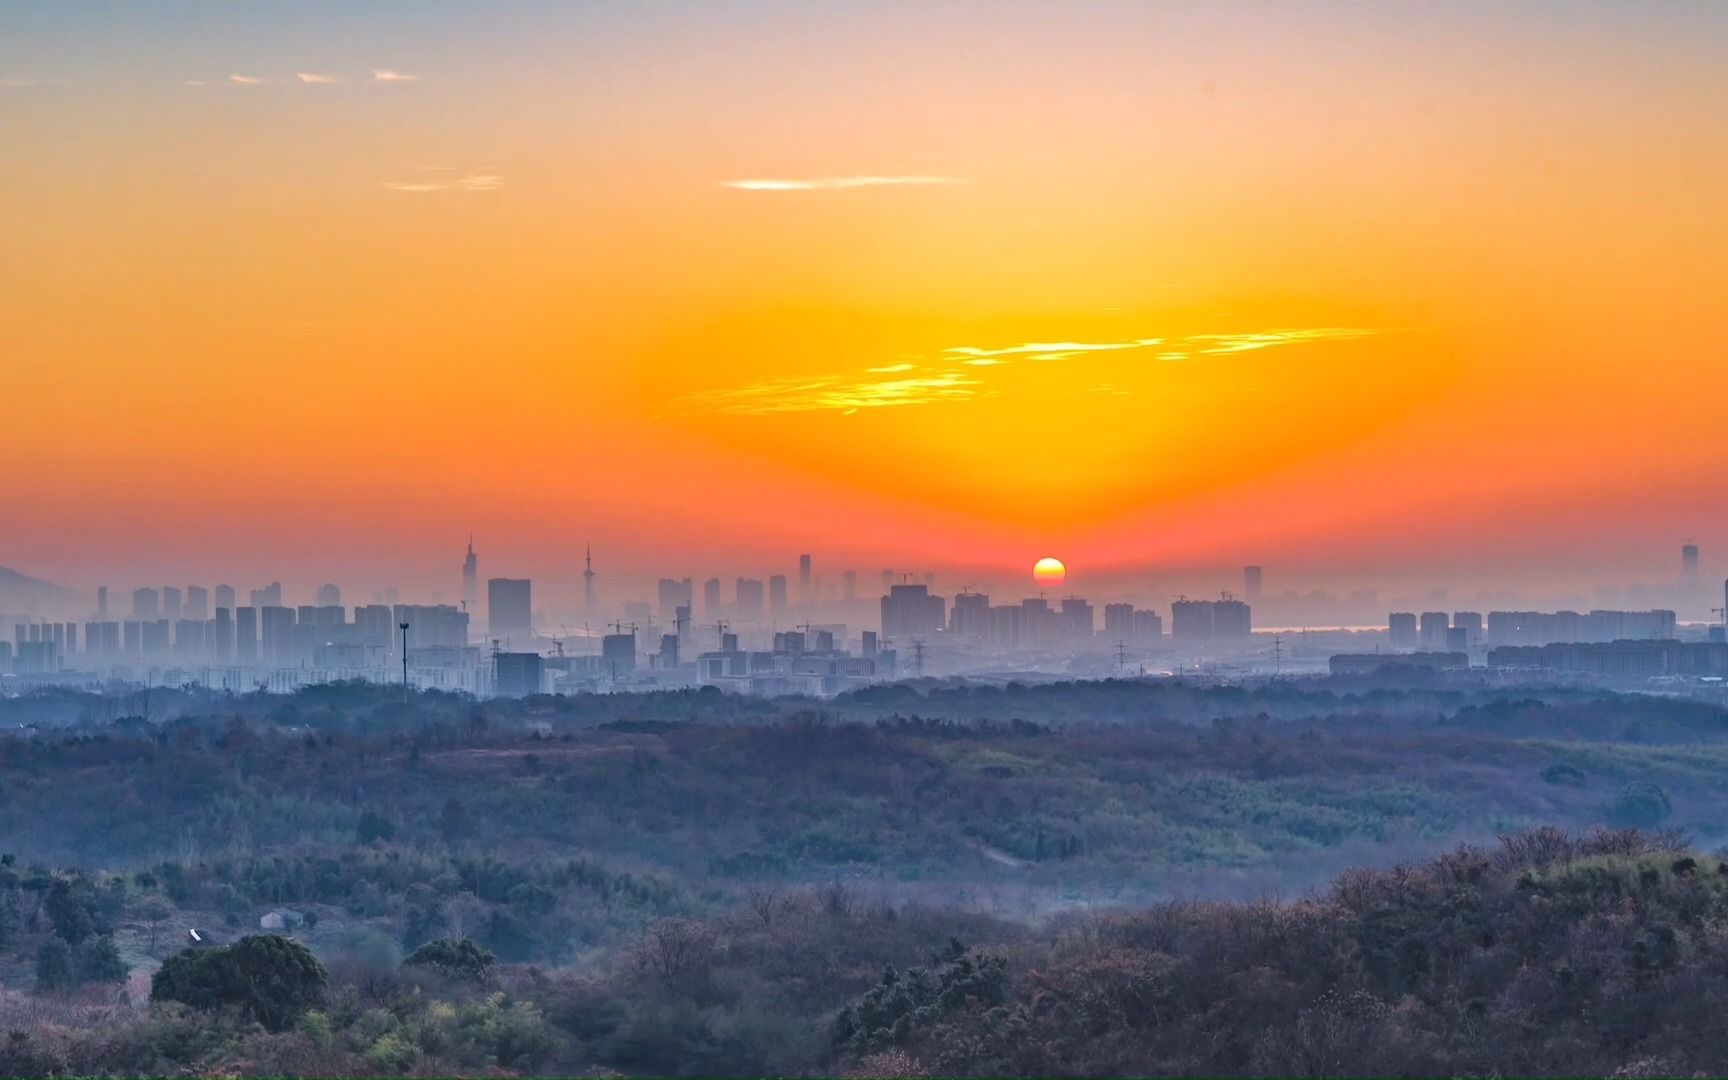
[
  {"x": 838, "y": 183},
  {"x": 1217, "y": 344},
  {"x": 471, "y": 182},
  {"x": 387, "y": 75},
  {"x": 837, "y": 393},
  {"x": 313, "y": 78},
  {"x": 248, "y": 80},
  {"x": 1050, "y": 350},
  {"x": 909, "y": 384}
]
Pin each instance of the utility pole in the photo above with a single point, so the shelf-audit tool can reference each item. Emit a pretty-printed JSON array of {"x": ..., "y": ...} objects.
[{"x": 404, "y": 628}]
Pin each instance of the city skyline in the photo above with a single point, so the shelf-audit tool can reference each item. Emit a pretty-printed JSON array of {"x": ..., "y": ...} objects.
[{"x": 1163, "y": 288}]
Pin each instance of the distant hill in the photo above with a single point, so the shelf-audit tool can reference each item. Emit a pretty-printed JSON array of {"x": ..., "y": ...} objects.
[{"x": 21, "y": 594}]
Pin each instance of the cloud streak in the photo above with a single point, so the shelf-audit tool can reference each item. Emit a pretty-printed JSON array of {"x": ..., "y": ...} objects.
[
  {"x": 248, "y": 80},
  {"x": 1220, "y": 344},
  {"x": 470, "y": 182},
  {"x": 388, "y": 75},
  {"x": 838, "y": 393},
  {"x": 840, "y": 183},
  {"x": 911, "y": 385},
  {"x": 313, "y": 78},
  {"x": 1048, "y": 350}
]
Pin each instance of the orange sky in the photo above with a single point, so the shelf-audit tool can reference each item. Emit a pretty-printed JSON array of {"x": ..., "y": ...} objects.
[{"x": 1432, "y": 288}]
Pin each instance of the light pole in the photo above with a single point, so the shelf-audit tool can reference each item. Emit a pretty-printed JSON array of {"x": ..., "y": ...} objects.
[{"x": 404, "y": 627}]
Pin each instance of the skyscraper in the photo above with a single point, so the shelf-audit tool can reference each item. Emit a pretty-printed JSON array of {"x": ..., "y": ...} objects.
[
  {"x": 224, "y": 596},
  {"x": 145, "y": 603},
  {"x": 804, "y": 578},
  {"x": 777, "y": 593},
  {"x": 1689, "y": 563},
  {"x": 910, "y": 611},
  {"x": 748, "y": 598},
  {"x": 470, "y": 577},
  {"x": 329, "y": 595},
  {"x": 711, "y": 597},
  {"x": 674, "y": 594},
  {"x": 1251, "y": 583},
  {"x": 197, "y": 602},
  {"x": 509, "y": 607}
]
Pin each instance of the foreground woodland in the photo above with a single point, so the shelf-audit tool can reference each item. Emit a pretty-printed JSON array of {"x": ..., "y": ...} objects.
[{"x": 1316, "y": 878}]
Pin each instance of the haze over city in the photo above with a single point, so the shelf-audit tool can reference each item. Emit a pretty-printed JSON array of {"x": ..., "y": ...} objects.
[
  {"x": 863, "y": 538},
  {"x": 1424, "y": 293}
]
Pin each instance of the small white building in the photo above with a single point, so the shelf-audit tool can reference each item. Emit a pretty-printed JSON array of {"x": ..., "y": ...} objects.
[{"x": 281, "y": 919}]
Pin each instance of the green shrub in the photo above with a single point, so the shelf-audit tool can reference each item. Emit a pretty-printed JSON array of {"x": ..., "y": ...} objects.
[{"x": 265, "y": 976}]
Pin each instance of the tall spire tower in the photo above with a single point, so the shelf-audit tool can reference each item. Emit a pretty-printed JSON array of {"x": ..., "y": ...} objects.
[
  {"x": 470, "y": 578},
  {"x": 588, "y": 579}
]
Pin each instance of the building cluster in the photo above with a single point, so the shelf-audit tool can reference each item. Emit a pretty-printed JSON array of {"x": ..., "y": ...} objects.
[
  {"x": 1466, "y": 631},
  {"x": 1617, "y": 659}
]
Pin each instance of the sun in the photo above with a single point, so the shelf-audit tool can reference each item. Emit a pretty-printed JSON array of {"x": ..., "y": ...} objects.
[{"x": 1048, "y": 571}]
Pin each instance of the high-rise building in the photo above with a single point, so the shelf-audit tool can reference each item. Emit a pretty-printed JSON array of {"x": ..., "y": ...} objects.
[
  {"x": 748, "y": 598},
  {"x": 1077, "y": 618},
  {"x": 222, "y": 636},
  {"x": 674, "y": 594},
  {"x": 804, "y": 579},
  {"x": 146, "y": 604},
  {"x": 1118, "y": 621},
  {"x": 910, "y": 611},
  {"x": 245, "y": 634},
  {"x": 970, "y": 615},
  {"x": 225, "y": 596},
  {"x": 171, "y": 602},
  {"x": 1431, "y": 630},
  {"x": 433, "y": 625},
  {"x": 276, "y": 634},
  {"x": 711, "y": 598},
  {"x": 849, "y": 585},
  {"x": 517, "y": 674},
  {"x": 470, "y": 578},
  {"x": 618, "y": 654},
  {"x": 1251, "y": 583},
  {"x": 269, "y": 596},
  {"x": 509, "y": 607},
  {"x": 1204, "y": 622},
  {"x": 197, "y": 602},
  {"x": 1689, "y": 563},
  {"x": 1401, "y": 629},
  {"x": 102, "y": 601},
  {"x": 777, "y": 599},
  {"x": 329, "y": 595}
]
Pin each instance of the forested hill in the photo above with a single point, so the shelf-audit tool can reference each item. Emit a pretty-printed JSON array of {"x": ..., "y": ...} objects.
[
  {"x": 1546, "y": 954},
  {"x": 931, "y": 879}
]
